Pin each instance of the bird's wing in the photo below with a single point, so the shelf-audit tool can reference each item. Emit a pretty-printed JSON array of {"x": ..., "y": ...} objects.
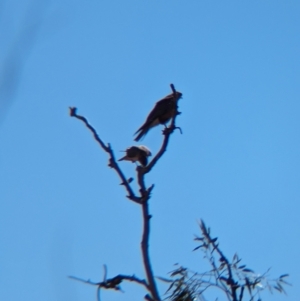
[
  {"x": 133, "y": 152},
  {"x": 160, "y": 108},
  {"x": 143, "y": 160}
]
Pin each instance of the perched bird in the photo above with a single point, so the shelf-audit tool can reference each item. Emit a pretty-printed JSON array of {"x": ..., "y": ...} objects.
[
  {"x": 162, "y": 112},
  {"x": 137, "y": 153}
]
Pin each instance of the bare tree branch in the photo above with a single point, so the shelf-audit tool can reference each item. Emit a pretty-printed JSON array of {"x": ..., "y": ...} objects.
[
  {"x": 145, "y": 194},
  {"x": 145, "y": 251},
  {"x": 112, "y": 161},
  {"x": 114, "y": 283}
]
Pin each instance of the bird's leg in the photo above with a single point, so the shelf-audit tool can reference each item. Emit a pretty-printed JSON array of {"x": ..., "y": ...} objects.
[
  {"x": 170, "y": 129},
  {"x": 167, "y": 130}
]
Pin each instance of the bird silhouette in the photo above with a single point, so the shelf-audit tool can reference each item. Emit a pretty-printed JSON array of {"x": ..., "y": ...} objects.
[
  {"x": 162, "y": 112},
  {"x": 137, "y": 153}
]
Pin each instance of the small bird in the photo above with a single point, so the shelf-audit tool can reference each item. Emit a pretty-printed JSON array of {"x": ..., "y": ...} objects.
[
  {"x": 162, "y": 112},
  {"x": 137, "y": 153}
]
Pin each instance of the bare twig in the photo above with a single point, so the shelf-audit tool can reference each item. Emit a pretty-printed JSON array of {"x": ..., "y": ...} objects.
[
  {"x": 84, "y": 281},
  {"x": 112, "y": 161},
  {"x": 114, "y": 283},
  {"x": 105, "y": 272}
]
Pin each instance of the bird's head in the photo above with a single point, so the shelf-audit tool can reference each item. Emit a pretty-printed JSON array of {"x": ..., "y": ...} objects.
[{"x": 178, "y": 95}]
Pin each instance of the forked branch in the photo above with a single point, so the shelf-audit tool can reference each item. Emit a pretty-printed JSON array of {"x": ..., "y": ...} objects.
[
  {"x": 112, "y": 161},
  {"x": 145, "y": 194}
]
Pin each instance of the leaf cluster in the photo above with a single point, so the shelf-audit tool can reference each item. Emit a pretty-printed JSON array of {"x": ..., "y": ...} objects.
[{"x": 233, "y": 278}]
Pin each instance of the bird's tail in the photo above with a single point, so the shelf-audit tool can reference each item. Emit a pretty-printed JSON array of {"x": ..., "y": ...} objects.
[{"x": 142, "y": 133}]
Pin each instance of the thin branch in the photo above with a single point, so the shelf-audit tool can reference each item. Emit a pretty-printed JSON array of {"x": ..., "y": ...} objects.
[
  {"x": 218, "y": 278},
  {"x": 241, "y": 293},
  {"x": 145, "y": 251},
  {"x": 112, "y": 161},
  {"x": 136, "y": 280},
  {"x": 230, "y": 281},
  {"x": 105, "y": 272},
  {"x": 84, "y": 281},
  {"x": 140, "y": 170},
  {"x": 114, "y": 283}
]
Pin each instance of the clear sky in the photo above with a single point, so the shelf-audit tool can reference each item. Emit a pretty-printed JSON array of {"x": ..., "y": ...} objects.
[{"x": 62, "y": 211}]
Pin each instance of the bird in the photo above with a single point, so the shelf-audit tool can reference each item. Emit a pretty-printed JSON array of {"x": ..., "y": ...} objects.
[
  {"x": 137, "y": 153},
  {"x": 162, "y": 112}
]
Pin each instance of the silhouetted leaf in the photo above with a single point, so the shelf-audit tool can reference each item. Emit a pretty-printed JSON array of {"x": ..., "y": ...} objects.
[
  {"x": 248, "y": 284},
  {"x": 284, "y": 282},
  {"x": 281, "y": 287},
  {"x": 222, "y": 265},
  {"x": 277, "y": 288},
  {"x": 240, "y": 259},
  {"x": 178, "y": 271},
  {"x": 235, "y": 257},
  {"x": 202, "y": 224},
  {"x": 223, "y": 279},
  {"x": 170, "y": 287},
  {"x": 198, "y": 247},
  {"x": 248, "y": 270},
  {"x": 257, "y": 281},
  {"x": 164, "y": 279}
]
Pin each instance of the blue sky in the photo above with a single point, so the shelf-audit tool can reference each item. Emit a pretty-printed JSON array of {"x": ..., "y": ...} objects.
[{"x": 236, "y": 165}]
